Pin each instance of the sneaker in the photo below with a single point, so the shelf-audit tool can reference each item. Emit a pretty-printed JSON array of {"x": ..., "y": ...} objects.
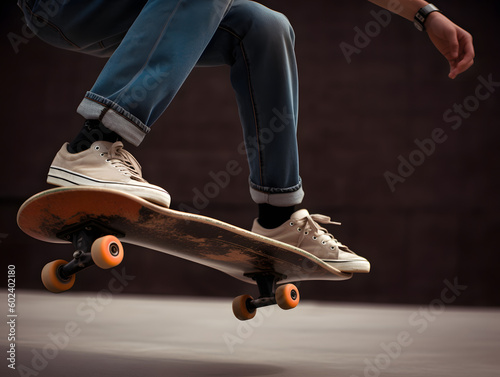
[
  {"x": 104, "y": 164},
  {"x": 303, "y": 231}
]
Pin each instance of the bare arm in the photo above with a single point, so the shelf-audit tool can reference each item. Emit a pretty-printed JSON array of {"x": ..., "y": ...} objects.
[
  {"x": 451, "y": 40},
  {"x": 403, "y": 8}
]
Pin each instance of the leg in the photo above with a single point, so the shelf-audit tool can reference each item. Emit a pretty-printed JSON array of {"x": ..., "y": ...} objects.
[
  {"x": 154, "y": 46},
  {"x": 151, "y": 63},
  {"x": 258, "y": 44}
]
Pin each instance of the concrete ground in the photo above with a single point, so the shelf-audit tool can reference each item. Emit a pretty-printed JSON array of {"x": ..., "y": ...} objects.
[{"x": 102, "y": 334}]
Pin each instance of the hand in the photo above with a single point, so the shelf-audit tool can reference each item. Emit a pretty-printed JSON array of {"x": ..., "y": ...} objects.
[{"x": 452, "y": 41}]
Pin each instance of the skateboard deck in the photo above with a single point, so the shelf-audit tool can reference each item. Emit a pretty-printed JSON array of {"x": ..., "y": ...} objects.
[{"x": 81, "y": 215}]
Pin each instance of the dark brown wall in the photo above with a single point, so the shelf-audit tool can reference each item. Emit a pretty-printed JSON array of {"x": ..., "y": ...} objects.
[{"x": 356, "y": 120}]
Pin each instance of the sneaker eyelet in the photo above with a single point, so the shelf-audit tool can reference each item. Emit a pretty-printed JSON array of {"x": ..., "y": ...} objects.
[
  {"x": 292, "y": 224},
  {"x": 323, "y": 242},
  {"x": 97, "y": 147},
  {"x": 306, "y": 232},
  {"x": 102, "y": 155},
  {"x": 315, "y": 238},
  {"x": 299, "y": 229}
]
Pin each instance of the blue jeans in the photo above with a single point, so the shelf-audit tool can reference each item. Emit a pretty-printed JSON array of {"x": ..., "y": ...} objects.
[{"x": 153, "y": 45}]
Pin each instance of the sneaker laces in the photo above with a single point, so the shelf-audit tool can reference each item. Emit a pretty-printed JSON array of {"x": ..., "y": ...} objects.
[
  {"x": 310, "y": 223},
  {"x": 124, "y": 161}
]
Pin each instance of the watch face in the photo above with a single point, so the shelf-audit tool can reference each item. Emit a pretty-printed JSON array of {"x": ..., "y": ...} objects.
[{"x": 420, "y": 16}]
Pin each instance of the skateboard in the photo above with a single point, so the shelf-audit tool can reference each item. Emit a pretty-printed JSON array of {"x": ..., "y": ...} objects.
[{"x": 97, "y": 220}]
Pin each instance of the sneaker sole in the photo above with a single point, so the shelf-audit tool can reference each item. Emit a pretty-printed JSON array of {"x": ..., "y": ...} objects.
[
  {"x": 359, "y": 266},
  {"x": 62, "y": 177}
]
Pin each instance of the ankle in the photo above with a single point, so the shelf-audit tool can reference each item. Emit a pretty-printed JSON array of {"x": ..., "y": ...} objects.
[
  {"x": 271, "y": 217},
  {"x": 93, "y": 130}
]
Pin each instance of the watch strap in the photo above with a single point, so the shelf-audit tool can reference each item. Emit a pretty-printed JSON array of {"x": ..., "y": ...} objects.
[{"x": 422, "y": 14}]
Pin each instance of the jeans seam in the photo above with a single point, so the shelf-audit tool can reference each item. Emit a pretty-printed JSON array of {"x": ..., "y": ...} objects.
[
  {"x": 274, "y": 190},
  {"x": 251, "y": 92},
  {"x": 48, "y": 23}
]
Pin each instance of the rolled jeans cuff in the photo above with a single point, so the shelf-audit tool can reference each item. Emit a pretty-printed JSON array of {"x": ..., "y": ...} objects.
[
  {"x": 282, "y": 197},
  {"x": 114, "y": 117}
]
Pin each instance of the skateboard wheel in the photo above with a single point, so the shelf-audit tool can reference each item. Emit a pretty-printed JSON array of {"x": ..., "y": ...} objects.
[
  {"x": 240, "y": 308},
  {"x": 107, "y": 252},
  {"x": 52, "y": 280},
  {"x": 287, "y": 296}
]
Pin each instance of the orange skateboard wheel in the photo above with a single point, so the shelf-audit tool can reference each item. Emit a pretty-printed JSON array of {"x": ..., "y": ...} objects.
[
  {"x": 287, "y": 296},
  {"x": 52, "y": 280},
  {"x": 107, "y": 252},
  {"x": 240, "y": 309}
]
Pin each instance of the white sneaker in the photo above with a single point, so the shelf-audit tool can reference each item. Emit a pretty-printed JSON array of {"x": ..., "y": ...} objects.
[
  {"x": 104, "y": 164},
  {"x": 303, "y": 231}
]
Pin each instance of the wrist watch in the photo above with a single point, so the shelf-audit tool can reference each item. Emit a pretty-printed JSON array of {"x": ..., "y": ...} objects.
[{"x": 422, "y": 15}]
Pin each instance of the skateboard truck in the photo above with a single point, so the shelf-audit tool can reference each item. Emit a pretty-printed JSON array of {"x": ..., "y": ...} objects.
[
  {"x": 285, "y": 296},
  {"x": 94, "y": 243}
]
